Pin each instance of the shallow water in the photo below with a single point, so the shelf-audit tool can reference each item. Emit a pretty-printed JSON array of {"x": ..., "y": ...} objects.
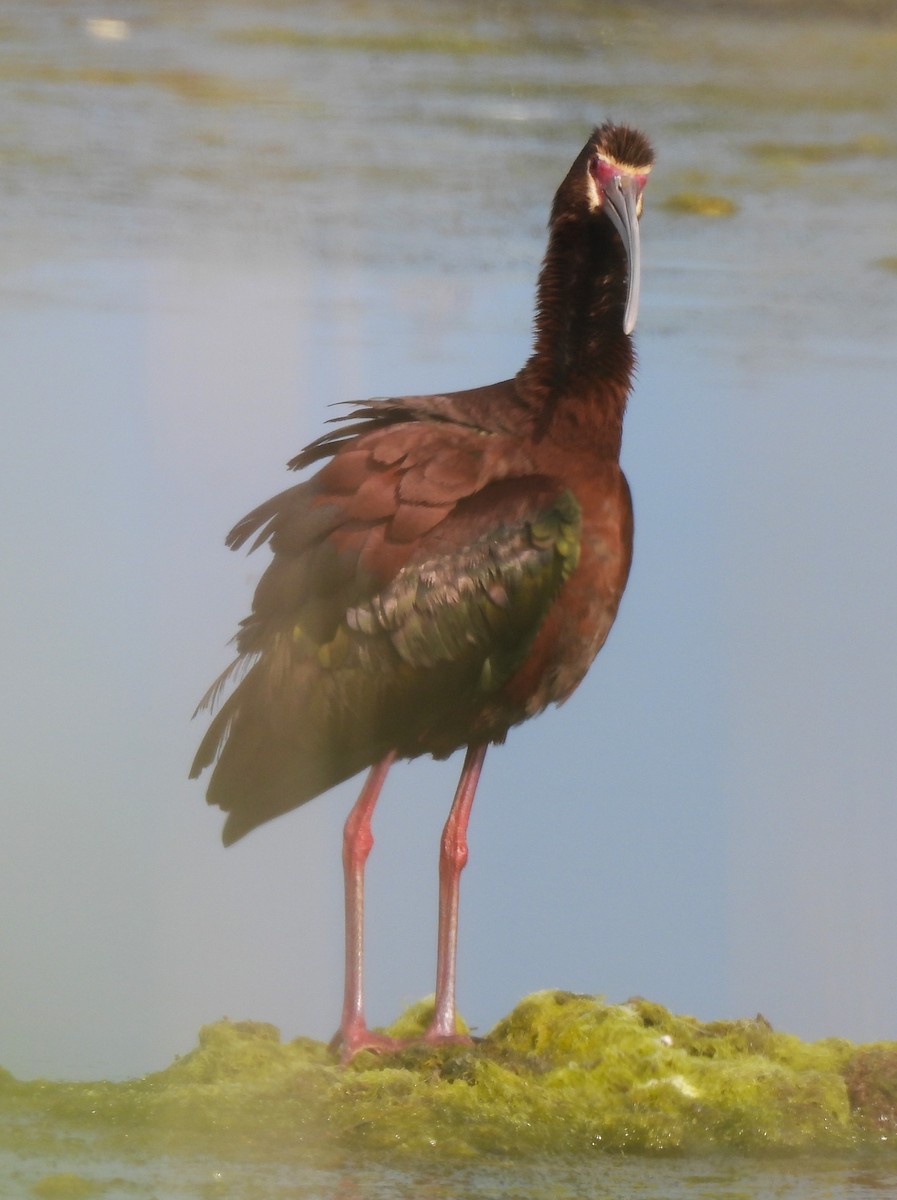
[
  {"x": 602, "y": 1178},
  {"x": 216, "y": 220}
]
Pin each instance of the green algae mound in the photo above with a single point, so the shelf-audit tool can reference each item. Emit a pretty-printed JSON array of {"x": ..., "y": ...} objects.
[
  {"x": 700, "y": 204},
  {"x": 561, "y": 1074}
]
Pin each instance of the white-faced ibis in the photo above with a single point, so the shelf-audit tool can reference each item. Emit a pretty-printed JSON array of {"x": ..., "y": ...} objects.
[{"x": 453, "y": 567}]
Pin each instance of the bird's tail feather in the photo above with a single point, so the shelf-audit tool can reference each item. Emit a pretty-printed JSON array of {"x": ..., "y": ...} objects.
[{"x": 269, "y": 758}]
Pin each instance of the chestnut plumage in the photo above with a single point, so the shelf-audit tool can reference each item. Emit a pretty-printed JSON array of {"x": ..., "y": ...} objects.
[{"x": 453, "y": 566}]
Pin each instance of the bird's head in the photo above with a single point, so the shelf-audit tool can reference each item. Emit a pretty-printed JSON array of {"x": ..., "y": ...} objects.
[{"x": 607, "y": 181}]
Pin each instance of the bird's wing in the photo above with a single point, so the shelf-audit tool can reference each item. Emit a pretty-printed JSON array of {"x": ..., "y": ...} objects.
[
  {"x": 342, "y": 536},
  {"x": 475, "y": 594},
  {"x": 409, "y": 579}
]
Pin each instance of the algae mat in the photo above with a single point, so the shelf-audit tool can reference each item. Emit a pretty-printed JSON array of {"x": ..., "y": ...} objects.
[{"x": 563, "y": 1079}]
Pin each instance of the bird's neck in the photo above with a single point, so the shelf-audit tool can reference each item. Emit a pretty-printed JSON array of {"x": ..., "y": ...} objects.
[{"x": 578, "y": 377}]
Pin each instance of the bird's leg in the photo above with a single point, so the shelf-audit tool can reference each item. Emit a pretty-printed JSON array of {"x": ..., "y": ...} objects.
[
  {"x": 354, "y": 1034},
  {"x": 452, "y": 859}
]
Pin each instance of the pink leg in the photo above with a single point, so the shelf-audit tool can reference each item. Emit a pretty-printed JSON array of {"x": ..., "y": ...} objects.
[
  {"x": 354, "y": 1034},
  {"x": 452, "y": 860}
]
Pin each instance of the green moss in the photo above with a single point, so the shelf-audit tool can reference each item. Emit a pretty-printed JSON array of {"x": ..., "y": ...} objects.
[
  {"x": 561, "y": 1074},
  {"x": 700, "y": 204},
  {"x": 65, "y": 1186},
  {"x": 199, "y": 87},
  {"x": 414, "y": 39},
  {"x": 871, "y": 1077},
  {"x": 804, "y": 153},
  {"x": 416, "y": 1019}
]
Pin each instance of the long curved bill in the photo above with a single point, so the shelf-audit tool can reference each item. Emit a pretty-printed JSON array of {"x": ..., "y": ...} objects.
[{"x": 621, "y": 196}]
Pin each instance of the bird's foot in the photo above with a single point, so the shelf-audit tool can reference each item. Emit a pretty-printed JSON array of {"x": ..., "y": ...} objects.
[
  {"x": 437, "y": 1035},
  {"x": 447, "y": 1039},
  {"x": 355, "y": 1037}
]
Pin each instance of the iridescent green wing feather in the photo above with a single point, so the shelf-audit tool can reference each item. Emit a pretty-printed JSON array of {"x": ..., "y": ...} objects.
[{"x": 480, "y": 605}]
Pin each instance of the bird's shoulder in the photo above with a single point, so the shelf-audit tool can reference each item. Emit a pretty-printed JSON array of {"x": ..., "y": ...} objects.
[
  {"x": 497, "y": 408},
  {"x": 389, "y": 473}
]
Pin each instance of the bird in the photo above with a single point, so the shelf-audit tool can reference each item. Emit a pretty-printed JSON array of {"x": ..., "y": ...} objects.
[{"x": 452, "y": 568}]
